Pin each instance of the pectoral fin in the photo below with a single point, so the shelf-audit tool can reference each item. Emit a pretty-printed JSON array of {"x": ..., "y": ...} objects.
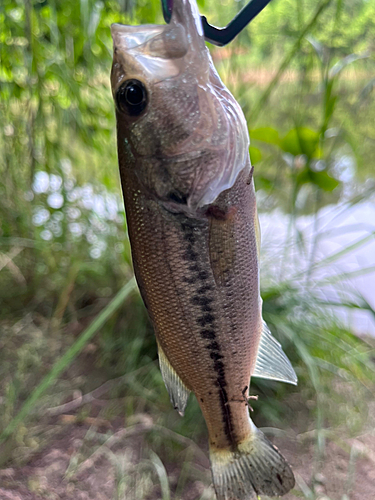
[
  {"x": 271, "y": 362},
  {"x": 178, "y": 392}
]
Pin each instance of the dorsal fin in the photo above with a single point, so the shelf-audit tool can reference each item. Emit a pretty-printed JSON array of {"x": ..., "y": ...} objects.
[
  {"x": 177, "y": 390},
  {"x": 271, "y": 362}
]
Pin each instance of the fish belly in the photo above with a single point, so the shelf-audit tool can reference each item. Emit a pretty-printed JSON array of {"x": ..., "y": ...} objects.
[{"x": 200, "y": 282}]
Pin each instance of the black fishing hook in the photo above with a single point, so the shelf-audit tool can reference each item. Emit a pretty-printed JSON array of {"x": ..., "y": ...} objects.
[{"x": 222, "y": 36}]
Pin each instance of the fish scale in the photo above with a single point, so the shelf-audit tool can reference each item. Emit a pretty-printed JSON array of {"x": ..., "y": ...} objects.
[{"x": 189, "y": 308}]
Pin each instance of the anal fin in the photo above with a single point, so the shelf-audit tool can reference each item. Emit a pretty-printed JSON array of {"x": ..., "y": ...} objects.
[
  {"x": 271, "y": 362},
  {"x": 177, "y": 390}
]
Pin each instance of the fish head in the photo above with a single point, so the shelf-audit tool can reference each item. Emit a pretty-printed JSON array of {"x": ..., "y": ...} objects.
[{"x": 170, "y": 123}]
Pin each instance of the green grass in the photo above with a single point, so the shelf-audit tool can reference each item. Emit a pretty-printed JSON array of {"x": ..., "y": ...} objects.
[{"x": 65, "y": 361}]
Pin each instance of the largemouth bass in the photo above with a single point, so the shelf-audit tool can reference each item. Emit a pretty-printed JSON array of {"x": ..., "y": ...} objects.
[{"x": 193, "y": 227}]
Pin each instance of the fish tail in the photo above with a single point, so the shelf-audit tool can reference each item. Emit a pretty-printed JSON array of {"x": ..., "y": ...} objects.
[{"x": 255, "y": 468}]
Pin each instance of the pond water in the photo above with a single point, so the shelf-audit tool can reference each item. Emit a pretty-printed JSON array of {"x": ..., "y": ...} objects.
[{"x": 332, "y": 253}]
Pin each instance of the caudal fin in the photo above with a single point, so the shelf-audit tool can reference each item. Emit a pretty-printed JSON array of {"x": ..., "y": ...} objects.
[{"x": 255, "y": 468}]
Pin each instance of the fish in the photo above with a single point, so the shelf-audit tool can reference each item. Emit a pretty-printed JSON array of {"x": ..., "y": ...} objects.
[{"x": 187, "y": 182}]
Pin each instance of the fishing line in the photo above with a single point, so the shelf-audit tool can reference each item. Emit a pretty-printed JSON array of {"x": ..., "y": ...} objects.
[
  {"x": 167, "y": 9},
  {"x": 223, "y": 36}
]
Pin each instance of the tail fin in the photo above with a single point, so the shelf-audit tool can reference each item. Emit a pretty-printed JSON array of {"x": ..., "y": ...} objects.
[{"x": 255, "y": 468}]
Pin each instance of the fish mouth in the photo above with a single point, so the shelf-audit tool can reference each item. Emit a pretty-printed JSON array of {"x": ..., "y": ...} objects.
[
  {"x": 130, "y": 37},
  {"x": 160, "y": 52},
  {"x": 184, "y": 13}
]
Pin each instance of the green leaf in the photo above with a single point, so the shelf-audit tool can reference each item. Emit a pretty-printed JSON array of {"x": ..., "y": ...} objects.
[
  {"x": 330, "y": 107},
  {"x": 301, "y": 141},
  {"x": 265, "y": 134},
  {"x": 367, "y": 89},
  {"x": 321, "y": 179},
  {"x": 263, "y": 183},
  {"x": 318, "y": 47},
  {"x": 255, "y": 155},
  {"x": 324, "y": 181},
  {"x": 345, "y": 61}
]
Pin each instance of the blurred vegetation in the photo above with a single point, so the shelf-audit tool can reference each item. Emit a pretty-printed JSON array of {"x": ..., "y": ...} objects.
[{"x": 303, "y": 73}]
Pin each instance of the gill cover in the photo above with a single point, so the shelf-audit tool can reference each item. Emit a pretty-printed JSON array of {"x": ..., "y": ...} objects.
[{"x": 191, "y": 132}]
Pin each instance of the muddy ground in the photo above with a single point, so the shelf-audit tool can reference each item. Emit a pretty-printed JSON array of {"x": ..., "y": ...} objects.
[{"x": 65, "y": 471}]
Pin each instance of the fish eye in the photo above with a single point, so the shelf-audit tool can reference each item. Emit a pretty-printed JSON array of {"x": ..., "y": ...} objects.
[{"x": 132, "y": 97}]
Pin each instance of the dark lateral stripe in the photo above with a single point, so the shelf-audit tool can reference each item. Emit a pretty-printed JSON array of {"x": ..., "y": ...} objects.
[
  {"x": 207, "y": 319},
  {"x": 226, "y": 412},
  {"x": 214, "y": 346},
  {"x": 203, "y": 275},
  {"x": 189, "y": 237},
  {"x": 194, "y": 268},
  {"x": 201, "y": 301},
  {"x": 208, "y": 334},
  {"x": 207, "y": 322},
  {"x": 190, "y": 255}
]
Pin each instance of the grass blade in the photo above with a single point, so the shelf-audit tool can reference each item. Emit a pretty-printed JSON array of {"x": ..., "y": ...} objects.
[
  {"x": 68, "y": 357},
  {"x": 162, "y": 474},
  {"x": 289, "y": 57}
]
